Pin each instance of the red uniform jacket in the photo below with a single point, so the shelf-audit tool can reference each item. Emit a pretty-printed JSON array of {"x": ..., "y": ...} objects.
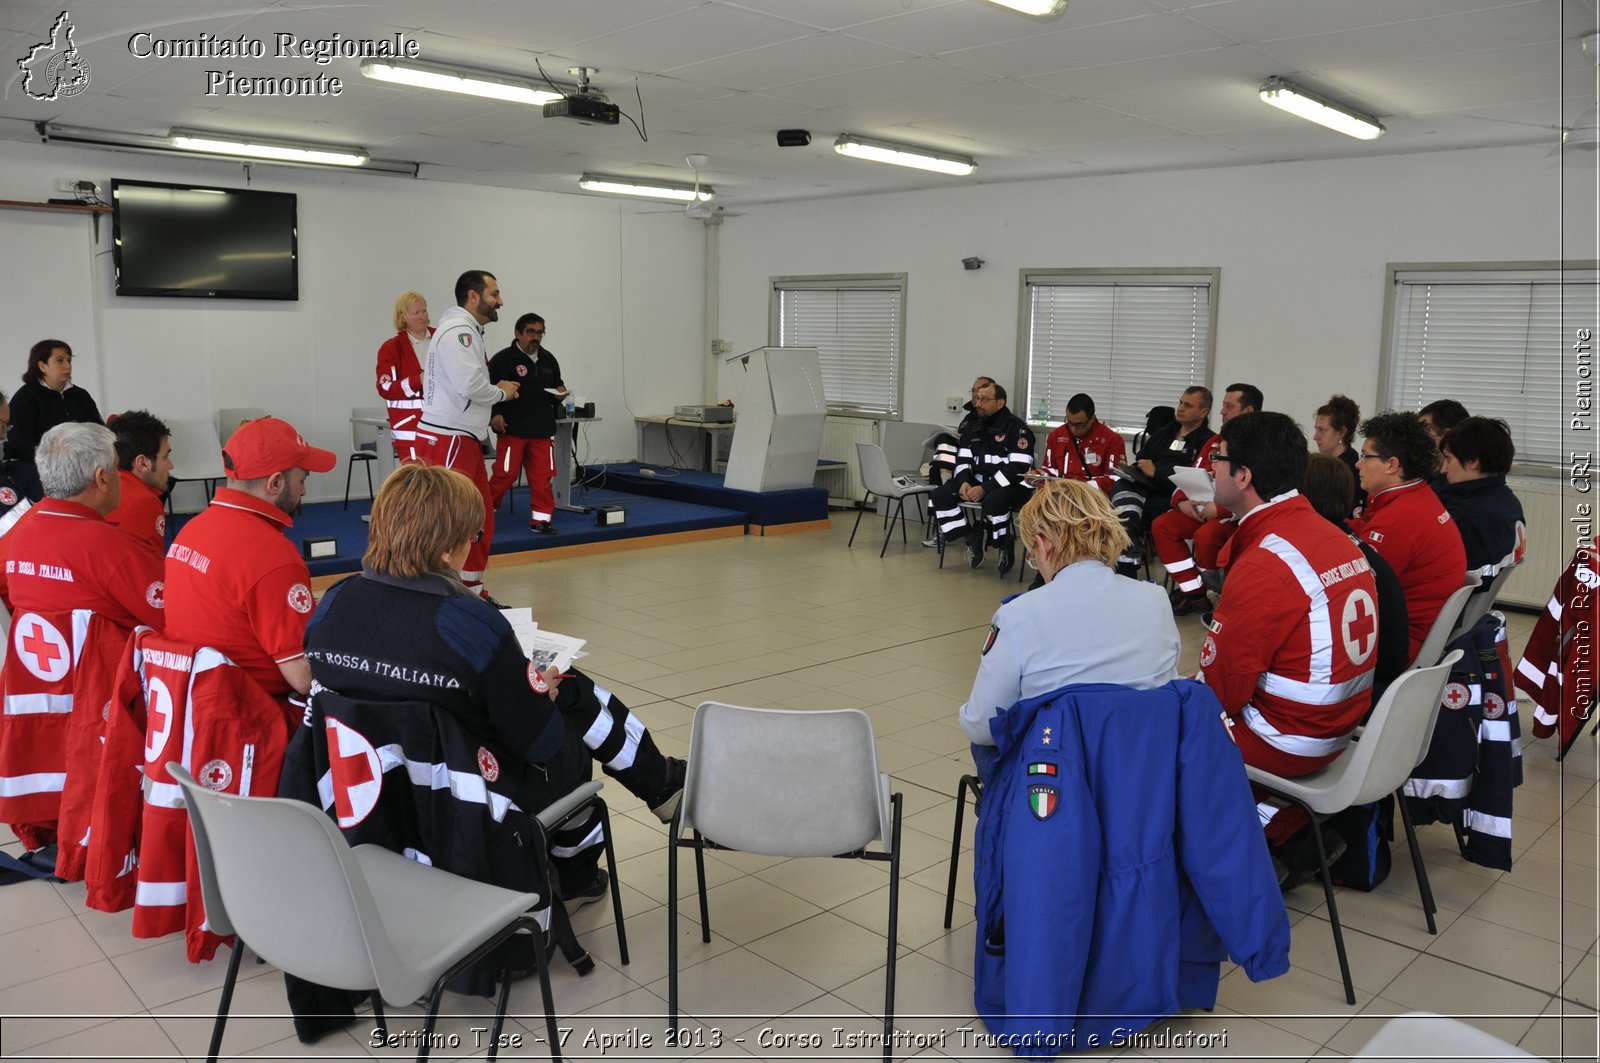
[
  {"x": 1294, "y": 639},
  {"x": 1557, "y": 665},
  {"x": 1411, "y": 529},
  {"x": 1094, "y": 458},
  {"x": 173, "y": 702},
  {"x": 400, "y": 384}
]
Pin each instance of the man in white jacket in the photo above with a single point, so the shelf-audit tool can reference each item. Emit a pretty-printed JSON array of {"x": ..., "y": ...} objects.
[{"x": 457, "y": 400}]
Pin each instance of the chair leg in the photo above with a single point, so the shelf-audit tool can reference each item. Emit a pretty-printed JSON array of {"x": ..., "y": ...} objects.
[
  {"x": 888, "y": 533},
  {"x": 861, "y": 507},
  {"x": 500, "y": 1005},
  {"x": 434, "y": 999},
  {"x": 380, "y": 1023},
  {"x": 894, "y": 938},
  {"x": 1423, "y": 888},
  {"x": 366, "y": 467},
  {"x": 700, "y": 878},
  {"x": 349, "y": 468},
  {"x": 1333, "y": 909},
  {"x": 226, "y": 1001},
  {"x": 616, "y": 895},
  {"x": 672, "y": 924},
  {"x": 968, "y": 782}
]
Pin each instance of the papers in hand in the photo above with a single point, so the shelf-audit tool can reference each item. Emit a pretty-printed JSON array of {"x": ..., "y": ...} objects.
[
  {"x": 546, "y": 649},
  {"x": 557, "y": 392},
  {"x": 1196, "y": 484}
]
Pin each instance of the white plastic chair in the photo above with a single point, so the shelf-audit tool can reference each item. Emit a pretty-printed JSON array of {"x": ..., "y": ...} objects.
[
  {"x": 783, "y": 782},
  {"x": 1479, "y": 604},
  {"x": 278, "y": 874},
  {"x": 1368, "y": 770},
  {"x": 1424, "y": 1035},
  {"x": 1440, "y": 634},
  {"x": 880, "y": 482},
  {"x": 196, "y": 455},
  {"x": 365, "y": 439},
  {"x": 229, "y": 418}
]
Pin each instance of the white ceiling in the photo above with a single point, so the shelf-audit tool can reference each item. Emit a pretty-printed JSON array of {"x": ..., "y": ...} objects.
[{"x": 1113, "y": 86}]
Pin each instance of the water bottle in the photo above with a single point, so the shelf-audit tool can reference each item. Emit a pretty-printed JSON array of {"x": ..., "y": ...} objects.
[
  {"x": 568, "y": 402},
  {"x": 1044, "y": 411}
]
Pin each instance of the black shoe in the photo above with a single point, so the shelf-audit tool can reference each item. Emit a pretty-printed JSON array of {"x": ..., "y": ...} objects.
[
  {"x": 1191, "y": 605},
  {"x": 542, "y": 527},
  {"x": 1008, "y": 559},
  {"x": 580, "y": 897},
  {"x": 975, "y": 550},
  {"x": 667, "y": 806},
  {"x": 1212, "y": 578}
]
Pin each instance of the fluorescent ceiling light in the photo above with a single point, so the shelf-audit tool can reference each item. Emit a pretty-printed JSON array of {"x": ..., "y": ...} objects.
[
  {"x": 1037, "y": 8},
  {"x": 455, "y": 79},
  {"x": 254, "y": 148},
  {"x": 1287, "y": 96},
  {"x": 636, "y": 186},
  {"x": 903, "y": 155},
  {"x": 189, "y": 143}
]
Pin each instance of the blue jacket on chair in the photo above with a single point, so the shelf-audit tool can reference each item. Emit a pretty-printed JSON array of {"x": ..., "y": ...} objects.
[{"x": 1119, "y": 860}]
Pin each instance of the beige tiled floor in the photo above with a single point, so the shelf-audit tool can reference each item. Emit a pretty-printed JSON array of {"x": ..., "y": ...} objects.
[{"x": 798, "y": 946}]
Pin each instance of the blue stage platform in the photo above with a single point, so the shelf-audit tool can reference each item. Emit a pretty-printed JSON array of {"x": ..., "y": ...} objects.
[{"x": 764, "y": 508}]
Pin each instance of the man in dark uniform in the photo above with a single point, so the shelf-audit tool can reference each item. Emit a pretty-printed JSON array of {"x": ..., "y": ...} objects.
[
  {"x": 1139, "y": 502},
  {"x": 994, "y": 454},
  {"x": 527, "y": 423}
]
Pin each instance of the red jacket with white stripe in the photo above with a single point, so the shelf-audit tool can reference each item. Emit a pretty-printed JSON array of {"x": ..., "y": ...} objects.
[
  {"x": 1557, "y": 665},
  {"x": 1410, "y": 527},
  {"x": 400, "y": 384},
  {"x": 1294, "y": 639},
  {"x": 1094, "y": 458},
  {"x": 179, "y": 702}
]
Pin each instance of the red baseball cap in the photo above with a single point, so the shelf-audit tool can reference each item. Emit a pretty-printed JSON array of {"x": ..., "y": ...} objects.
[{"x": 267, "y": 445}]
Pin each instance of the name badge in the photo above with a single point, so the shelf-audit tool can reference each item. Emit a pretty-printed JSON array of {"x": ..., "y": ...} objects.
[{"x": 1177, "y": 444}]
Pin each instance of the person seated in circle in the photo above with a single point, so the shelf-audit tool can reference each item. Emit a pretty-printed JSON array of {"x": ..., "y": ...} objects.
[
  {"x": 460, "y": 655},
  {"x": 1126, "y": 636}
]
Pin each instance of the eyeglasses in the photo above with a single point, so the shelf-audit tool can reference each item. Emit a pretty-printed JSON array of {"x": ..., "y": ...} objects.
[
  {"x": 1364, "y": 456},
  {"x": 1215, "y": 458},
  {"x": 1078, "y": 424}
]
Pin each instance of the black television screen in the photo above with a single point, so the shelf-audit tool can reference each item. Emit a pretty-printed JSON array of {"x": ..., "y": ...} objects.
[{"x": 222, "y": 243}]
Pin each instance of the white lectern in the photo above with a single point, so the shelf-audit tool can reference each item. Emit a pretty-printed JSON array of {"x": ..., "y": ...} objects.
[{"x": 781, "y": 409}]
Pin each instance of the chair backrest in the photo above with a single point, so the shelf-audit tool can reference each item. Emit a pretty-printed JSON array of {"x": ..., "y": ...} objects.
[
  {"x": 1479, "y": 604},
  {"x": 902, "y": 443},
  {"x": 1424, "y": 1035},
  {"x": 1399, "y": 726},
  {"x": 785, "y": 782},
  {"x": 196, "y": 452},
  {"x": 268, "y": 857},
  {"x": 874, "y": 466},
  {"x": 1439, "y": 635},
  {"x": 365, "y": 436},
  {"x": 229, "y": 418}
]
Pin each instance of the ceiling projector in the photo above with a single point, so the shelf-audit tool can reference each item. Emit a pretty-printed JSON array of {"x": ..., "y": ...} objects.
[{"x": 590, "y": 110}]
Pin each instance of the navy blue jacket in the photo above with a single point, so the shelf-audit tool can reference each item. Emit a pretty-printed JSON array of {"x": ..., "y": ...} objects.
[{"x": 1119, "y": 860}]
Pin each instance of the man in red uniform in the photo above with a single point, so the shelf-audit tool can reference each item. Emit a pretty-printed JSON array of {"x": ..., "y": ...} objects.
[
  {"x": 458, "y": 400},
  {"x": 234, "y": 581},
  {"x": 144, "y": 464},
  {"x": 1291, "y": 649},
  {"x": 64, "y": 554},
  {"x": 1084, "y": 448},
  {"x": 1207, "y": 524},
  {"x": 1405, "y": 521}
]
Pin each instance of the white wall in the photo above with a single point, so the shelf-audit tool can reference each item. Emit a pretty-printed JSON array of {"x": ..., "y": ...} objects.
[
  {"x": 622, "y": 295},
  {"x": 1302, "y": 248}
]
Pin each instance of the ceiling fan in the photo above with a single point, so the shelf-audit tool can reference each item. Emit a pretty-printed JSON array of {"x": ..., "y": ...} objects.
[{"x": 698, "y": 209}]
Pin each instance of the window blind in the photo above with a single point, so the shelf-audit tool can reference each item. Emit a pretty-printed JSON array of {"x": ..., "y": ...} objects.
[{"x": 857, "y": 330}]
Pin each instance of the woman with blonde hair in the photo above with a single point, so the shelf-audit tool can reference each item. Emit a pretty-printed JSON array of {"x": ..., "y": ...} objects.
[
  {"x": 406, "y": 629},
  {"x": 400, "y": 362},
  {"x": 1085, "y": 625}
]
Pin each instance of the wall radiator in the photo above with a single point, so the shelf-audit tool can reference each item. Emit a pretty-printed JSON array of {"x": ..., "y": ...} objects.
[
  {"x": 839, "y": 438},
  {"x": 1546, "y": 506}
]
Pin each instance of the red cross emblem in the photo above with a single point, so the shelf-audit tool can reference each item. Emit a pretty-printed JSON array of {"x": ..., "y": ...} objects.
[
  {"x": 156, "y": 593},
  {"x": 1208, "y": 652},
  {"x": 1456, "y": 696},
  {"x": 1359, "y": 626},
  {"x": 43, "y": 650},
  {"x": 8, "y": 497},
  {"x": 357, "y": 774},
  {"x": 157, "y": 720},
  {"x": 522, "y": 370},
  {"x": 216, "y": 775},
  {"x": 488, "y": 765},
  {"x": 1494, "y": 706}
]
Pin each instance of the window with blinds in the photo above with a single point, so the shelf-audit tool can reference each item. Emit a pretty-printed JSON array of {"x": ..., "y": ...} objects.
[
  {"x": 857, "y": 325},
  {"x": 1130, "y": 340},
  {"x": 1496, "y": 340}
]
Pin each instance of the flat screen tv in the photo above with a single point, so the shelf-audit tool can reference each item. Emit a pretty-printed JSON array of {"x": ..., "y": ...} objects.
[{"x": 206, "y": 243}]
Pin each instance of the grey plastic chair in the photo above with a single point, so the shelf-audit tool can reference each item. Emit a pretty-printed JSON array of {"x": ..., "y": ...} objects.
[
  {"x": 783, "y": 782},
  {"x": 1478, "y": 605},
  {"x": 1439, "y": 635},
  {"x": 365, "y": 439},
  {"x": 880, "y": 482},
  {"x": 1424, "y": 1035},
  {"x": 1368, "y": 770},
  {"x": 229, "y": 418},
  {"x": 355, "y": 919}
]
